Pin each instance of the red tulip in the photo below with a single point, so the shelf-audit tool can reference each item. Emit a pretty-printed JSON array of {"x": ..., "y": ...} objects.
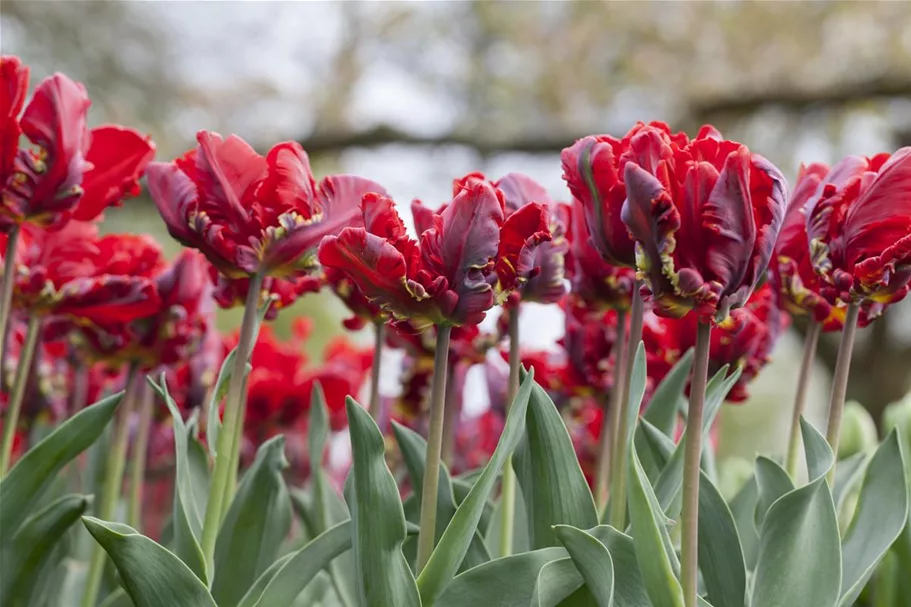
[
  {"x": 593, "y": 168},
  {"x": 595, "y": 283},
  {"x": 71, "y": 172},
  {"x": 445, "y": 277},
  {"x": 705, "y": 216},
  {"x": 249, "y": 214},
  {"x": 859, "y": 230},
  {"x": 232, "y": 292},
  {"x": 589, "y": 343}
]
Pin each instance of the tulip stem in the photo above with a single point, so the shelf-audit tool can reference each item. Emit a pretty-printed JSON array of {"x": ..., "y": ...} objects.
[
  {"x": 228, "y": 444},
  {"x": 14, "y": 408},
  {"x": 508, "y": 489},
  {"x": 113, "y": 483},
  {"x": 6, "y": 291},
  {"x": 803, "y": 382},
  {"x": 140, "y": 452},
  {"x": 379, "y": 337},
  {"x": 840, "y": 382},
  {"x": 450, "y": 417},
  {"x": 610, "y": 425},
  {"x": 618, "y": 467},
  {"x": 427, "y": 535},
  {"x": 692, "y": 455}
]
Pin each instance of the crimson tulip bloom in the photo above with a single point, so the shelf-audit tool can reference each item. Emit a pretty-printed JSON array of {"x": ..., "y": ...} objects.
[
  {"x": 71, "y": 172},
  {"x": 705, "y": 216},
  {"x": 251, "y": 214},
  {"x": 859, "y": 230},
  {"x": 593, "y": 169},
  {"x": 77, "y": 275},
  {"x": 283, "y": 292},
  {"x": 445, "y": 277}
]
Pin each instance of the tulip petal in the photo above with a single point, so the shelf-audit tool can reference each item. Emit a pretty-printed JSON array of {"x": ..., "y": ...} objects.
[
  {"x": 728, "y": 222},
  {"x": 118, "y": 157},
  {"x": 424, "y": 218},
  {"x": 519, "y": 189},
  {"x": 174, "y": 194},
  {"x": 226, "y": 168},
  {"x": 381, "y": 218},
  {"x": 521, "y": 234},
  {"x": 108, "y": 299},
  {"x": 289, "y": 183},
  {"x": 13, "y": 91}
]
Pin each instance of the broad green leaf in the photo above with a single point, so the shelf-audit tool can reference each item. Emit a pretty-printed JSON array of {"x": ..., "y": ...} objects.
[
  {"x": 40, "y": 465},
  {"x": 879, "y": 518},
  {"x": 521, "y": 542},
  {"x": 451, "y": 549},
  {"x": 801, "y": 523},
  {"x": 118, "y": 598},
  {"x": 667, "y": 488},
  {"x": 654, "y": 448},
  {"x": 378, "y": 521},
  {"x": 743, "y": 508},
  {"x": 653, "y": 547},
  {"x": 629, "y": 587},
  {"x": 662, "y": 408},
  {"x": 280, "y": 585},
  {"x": 772, "y": 482},
  {"x": 151, "y": 575},
  {"x": 559, "y": 583},
  {"x": 256, "y": 523},
  {"x": 414, "y": 452},
  {"x": 848, "y": 474},
  {"x": 592, "y": 560},
  {"x": 460, "y": 489},
  {"x": 554, "y": 487},
  {"x": 25, "y": 559},
  {"x": 720, "y": 555},
  {"x": 637, "y": 380},
  {"x": 504, "y": 582},
  {"x": 187, "y": 513}
]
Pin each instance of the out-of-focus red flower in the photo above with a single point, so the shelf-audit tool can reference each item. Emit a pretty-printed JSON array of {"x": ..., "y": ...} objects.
[
  {"x": 190, "y": 380},
  {"x": 595, "y": 283},
  {"x": 705, "y": 216},
  {"x": 75, "y": 275},
  {"x": 859, "y": 230},
  {"x": 343, "y": 372},
  {"x": 589, "y": 343},
  {"x": 232, "y": 292},
  {"x": 70, "y": 172},
  {"x": 476, "y": 439},
  {"x": 446, "y": 277},
  {"x": 593, "y": 168},
  {"x": 745, "y": 339},
  {"x": 363, "y": 310},
  {"x": 252, "y": 214}
]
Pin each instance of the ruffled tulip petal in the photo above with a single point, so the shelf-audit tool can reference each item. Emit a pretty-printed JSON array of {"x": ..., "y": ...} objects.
[
  {"x": 13, "y": 91},
  {"x": 381, "y": 218},
  {"x": 519, "y": 190},
  {"x": 174, "y": 193},
  {"x": 522, "y": 232},
  {"x": 226, "y": 169},
  {"x": 108, "y": 299},
  {"x": 423, "y": 217}
]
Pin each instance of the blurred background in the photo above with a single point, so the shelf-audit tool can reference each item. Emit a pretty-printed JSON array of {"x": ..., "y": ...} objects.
[{"x": 414, "y": 94}]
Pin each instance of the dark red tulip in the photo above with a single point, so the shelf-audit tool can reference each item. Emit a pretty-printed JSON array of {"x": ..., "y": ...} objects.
[
  {"x": 70, "y": 172},
  {"x": 251, "y": 214},
  {"x": 593, "y": 168},
  {"x": 859, "y": 230},
  {"x": 705, "y": 216},
  {"x": 363, "y": 311},
  {"x": 589, "y": 343},
  {"x": 445, "y": 277},
  {"x": 232, "y": 292},
  {"x": 595, "y": 283}
]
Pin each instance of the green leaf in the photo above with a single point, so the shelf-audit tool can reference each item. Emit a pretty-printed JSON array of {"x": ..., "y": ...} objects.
[
  {"x": 25, "y": 559},
  {"x": 280, "y": 585},
  {"x": 669, "y": 483},
  {"x": 720, "y": 555},
  {"x": 654, "y": 448},
  {"x": 593, "y": 561},
  {"x": 663, "y": 407},
  {"x": 504, "y": 582},
  {"x": 557, "y": 584},
  {"x": 554, "y": 487},
  {"x": 638, "y": 379},
  {"x": 848, "y": 474},
  {"x": 151, "y": 575},
  {"x": 254, "y": 527},
  {"x": 654, "y": 551},
  {"x": 414, "y": 452},
  {"x": 772, "y": 482},
  {"x": 450, "y": 550},
  {"x": 38, "y": 468},
  {"x": 378, "y": 529},
  {"x": 118, "y": 598},
  {"x": 799, "y": 559},
  {"x": 743, "y": 509},
  {"x": 188, "y": 512},
  {"x": 878, "y": 520},
  {"x": 629, "y": 587}
]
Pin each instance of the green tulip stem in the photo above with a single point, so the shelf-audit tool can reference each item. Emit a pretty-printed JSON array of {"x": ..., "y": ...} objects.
[
  {"x": 23, "y": 369},
  {"x": 139, "y": 453},
  {"x": 508, "y": 488},
  {"x": 618, "y": 466},
  {"x": 379, "y": 337},
  {"x": 612, "y": 408},
  {"x": 232, "y": 428},
  {"x": 800, "y": 398},
  {"x": 450, "y": 418},
  {"x": 840, "y": 382},
  {"x": 689, "y": 549},
  {"x": 427, "y": 534},
  {"x": 113, "y": 483},
  {"x": 6, "y": 291}
]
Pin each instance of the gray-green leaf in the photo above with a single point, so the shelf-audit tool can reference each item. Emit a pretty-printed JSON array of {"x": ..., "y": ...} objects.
[
  {"x": 720, "y": 555},
  {"x": 593, "y": 561},
  {"x": 662, "y": 408}
]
